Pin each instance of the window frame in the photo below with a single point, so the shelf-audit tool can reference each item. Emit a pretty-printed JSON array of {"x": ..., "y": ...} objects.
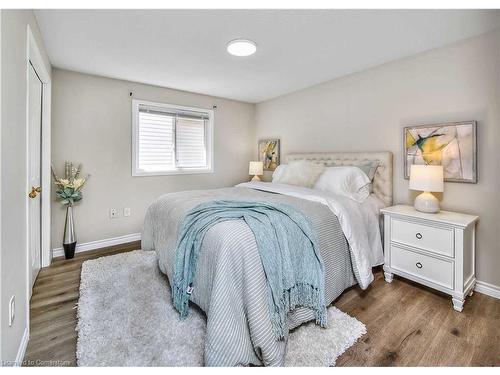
[{"x": 209, "y": 137}]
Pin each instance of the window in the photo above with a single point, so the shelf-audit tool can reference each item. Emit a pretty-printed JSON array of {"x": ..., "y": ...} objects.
[{"x": 170, "y": 139}]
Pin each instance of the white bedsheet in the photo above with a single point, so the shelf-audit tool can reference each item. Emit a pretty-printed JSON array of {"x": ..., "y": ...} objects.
[{"x": 359, "y": 222}]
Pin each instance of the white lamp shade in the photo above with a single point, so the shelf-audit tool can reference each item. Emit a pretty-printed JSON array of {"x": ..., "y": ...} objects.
[
  {"x": 426, "y": 178},
  {"x": 256, "y": 168}
]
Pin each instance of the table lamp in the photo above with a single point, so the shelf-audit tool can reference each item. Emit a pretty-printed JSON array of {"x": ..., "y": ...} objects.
[
  {"x": 426, "y": 178},
  {"x": 256, "y": 168}
]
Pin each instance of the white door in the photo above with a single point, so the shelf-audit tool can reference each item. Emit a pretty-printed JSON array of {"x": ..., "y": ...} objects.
[{"x": 34, "y": 171}]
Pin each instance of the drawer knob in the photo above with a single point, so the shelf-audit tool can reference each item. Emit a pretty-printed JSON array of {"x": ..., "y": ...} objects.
[
  {"x": 419, "y": 236},
  {"x": 419, "y": 265}
]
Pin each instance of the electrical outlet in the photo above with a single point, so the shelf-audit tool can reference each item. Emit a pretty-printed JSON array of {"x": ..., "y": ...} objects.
[
  {"x": 113, "y": 214},
  {"x": 126, "y": 211},
  {"x": 12, "y": 310}
]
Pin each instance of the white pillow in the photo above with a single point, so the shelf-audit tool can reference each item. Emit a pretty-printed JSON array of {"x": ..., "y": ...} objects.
[
  {"x": 299, "y": 173},
  {"x": 348, "y": 181},
  {"x": 278, "y": 172}
]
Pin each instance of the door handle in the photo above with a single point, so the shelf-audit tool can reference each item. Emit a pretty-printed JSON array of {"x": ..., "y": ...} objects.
[{"x": 34, "y": 191}]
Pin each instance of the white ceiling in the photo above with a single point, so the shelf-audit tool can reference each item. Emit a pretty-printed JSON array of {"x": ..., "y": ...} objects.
[{"x": 296, "y": 48}]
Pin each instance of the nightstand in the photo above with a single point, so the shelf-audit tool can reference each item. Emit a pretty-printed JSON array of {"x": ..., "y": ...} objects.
[{"x": 436, "y": 250}]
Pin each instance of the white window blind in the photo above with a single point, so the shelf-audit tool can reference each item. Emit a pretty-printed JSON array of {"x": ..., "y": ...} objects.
[
  {"x": 156, "y": 141},
  {"x": 190, "y": 144},
  {"x": 171, "y": 139}
]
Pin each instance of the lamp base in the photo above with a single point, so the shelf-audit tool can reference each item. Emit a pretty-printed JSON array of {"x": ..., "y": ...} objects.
[
  {"x": 426, "y": 202},
  {"x": 255, "y": 178}
]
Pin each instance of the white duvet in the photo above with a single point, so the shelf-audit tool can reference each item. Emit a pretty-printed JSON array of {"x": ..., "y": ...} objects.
[{"x": 359, "y": 222}]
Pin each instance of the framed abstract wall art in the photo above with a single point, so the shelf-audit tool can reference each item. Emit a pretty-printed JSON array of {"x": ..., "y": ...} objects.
[
  {"x": 451, "y": 145},
  {"x": 269, "y": 153}
]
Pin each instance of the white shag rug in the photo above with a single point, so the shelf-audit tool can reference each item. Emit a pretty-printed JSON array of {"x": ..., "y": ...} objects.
[{"x": 126, "y": 318}]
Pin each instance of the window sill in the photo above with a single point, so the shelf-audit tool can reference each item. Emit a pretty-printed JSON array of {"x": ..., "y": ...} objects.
[{"x": 172, "y": 173}]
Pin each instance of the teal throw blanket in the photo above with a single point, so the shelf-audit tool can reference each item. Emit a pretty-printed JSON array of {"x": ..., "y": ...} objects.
[{"x": 287, "y": 246}]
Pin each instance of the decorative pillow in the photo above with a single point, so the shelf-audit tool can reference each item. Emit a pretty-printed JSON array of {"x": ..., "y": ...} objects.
[
  {"x": 369, "y": 168},
  {"x": 278, "y": 172},
  {"x": 299, "y": 173},
  {"x": 348, "y": 181}
]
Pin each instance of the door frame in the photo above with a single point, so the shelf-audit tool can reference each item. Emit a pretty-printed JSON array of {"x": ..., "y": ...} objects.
[{"x": 34, "y": 56}]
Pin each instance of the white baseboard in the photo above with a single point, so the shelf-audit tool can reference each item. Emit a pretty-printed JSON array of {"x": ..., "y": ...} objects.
[
  {"x": 22, "y": 348},
  {"x": 87, "y": 246},
  {"x": 488, "y": 289}
]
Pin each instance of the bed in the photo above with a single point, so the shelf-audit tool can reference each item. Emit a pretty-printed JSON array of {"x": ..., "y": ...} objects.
[{"x": 230, "y": 284}]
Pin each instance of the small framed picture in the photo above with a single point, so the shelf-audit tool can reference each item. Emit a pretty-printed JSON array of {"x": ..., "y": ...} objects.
[
  {"x": 451, "y": 145},
  {"x": 269, "y": 153}
]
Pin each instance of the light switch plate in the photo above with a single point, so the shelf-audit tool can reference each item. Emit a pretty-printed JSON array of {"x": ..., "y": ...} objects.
[{"x": 126, "y": 211}]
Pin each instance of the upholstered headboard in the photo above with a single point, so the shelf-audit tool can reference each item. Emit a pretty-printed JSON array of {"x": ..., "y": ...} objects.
[{"x": 382, "y": 182}]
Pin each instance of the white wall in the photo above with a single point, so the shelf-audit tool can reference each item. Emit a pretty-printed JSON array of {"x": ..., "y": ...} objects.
[
  {"x": 14, "y": 173},
  {"x": 91, "y": 124},
  {"x": 366, "y": 111}
]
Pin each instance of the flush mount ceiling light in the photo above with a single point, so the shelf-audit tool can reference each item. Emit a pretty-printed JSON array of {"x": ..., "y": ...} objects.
[{"x": 241, "y": 47}]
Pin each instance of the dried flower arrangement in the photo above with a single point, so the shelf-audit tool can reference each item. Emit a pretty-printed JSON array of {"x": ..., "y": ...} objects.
[{"x": 69, "y": 187}]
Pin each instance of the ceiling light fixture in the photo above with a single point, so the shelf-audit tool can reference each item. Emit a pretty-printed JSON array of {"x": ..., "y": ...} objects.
[{"x": 241, "y": 47}]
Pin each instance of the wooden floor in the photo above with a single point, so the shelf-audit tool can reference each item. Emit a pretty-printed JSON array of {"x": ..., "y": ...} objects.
[{"x": 408, "y": 325}]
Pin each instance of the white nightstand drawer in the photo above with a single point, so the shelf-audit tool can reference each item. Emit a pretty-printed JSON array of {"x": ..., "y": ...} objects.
[
  {"x": 435, "y": 239},
  {"x": 428, "y": 268}
]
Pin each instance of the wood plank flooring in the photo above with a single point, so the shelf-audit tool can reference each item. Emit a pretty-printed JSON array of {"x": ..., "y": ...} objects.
[
  {"x": 411, "y": 325},
  {"x": 408, "y": 325}
]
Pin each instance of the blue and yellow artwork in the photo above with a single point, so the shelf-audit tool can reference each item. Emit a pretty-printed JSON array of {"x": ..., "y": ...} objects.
[
  {"x": 269, "y": 153},
  {"x": 451, "y": 145}
]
